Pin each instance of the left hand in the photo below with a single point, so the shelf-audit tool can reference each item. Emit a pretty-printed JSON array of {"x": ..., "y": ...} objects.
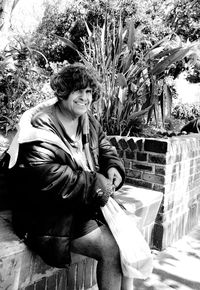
[{"x": 114, "y": 176}]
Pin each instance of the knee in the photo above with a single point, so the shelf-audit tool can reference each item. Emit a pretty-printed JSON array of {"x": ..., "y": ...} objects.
[
  {"x": 111, "y": 253},
  {"x": 109, "y": 249}
]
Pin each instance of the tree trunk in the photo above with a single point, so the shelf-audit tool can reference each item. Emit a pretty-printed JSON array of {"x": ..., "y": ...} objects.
[{"x": 6, "y": 8}]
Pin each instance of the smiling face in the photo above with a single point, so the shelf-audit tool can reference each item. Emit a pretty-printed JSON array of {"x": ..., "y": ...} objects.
[{"x": 77, "y": 103}]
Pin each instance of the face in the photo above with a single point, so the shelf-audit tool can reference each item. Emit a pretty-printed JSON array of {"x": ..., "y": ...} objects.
[{"x": 78, "y": 102}]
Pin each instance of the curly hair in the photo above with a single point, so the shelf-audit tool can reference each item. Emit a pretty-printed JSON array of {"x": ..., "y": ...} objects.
[{"x": 72, "y": 78}]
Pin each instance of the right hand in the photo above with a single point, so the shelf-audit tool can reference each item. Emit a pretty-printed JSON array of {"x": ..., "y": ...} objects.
[{"x": 103, "y": 189}]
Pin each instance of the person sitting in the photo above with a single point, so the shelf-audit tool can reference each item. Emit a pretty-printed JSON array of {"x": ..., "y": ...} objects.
[{"x": 63, "y": 170}]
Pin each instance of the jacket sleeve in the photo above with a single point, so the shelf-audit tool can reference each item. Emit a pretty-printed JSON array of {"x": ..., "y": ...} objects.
[
  {"x": 52, "y": 174},
  {"x": 107, "y": 154}
]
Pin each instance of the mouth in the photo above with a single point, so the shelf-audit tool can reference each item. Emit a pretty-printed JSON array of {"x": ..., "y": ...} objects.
[{"x": 82, "y": 104}]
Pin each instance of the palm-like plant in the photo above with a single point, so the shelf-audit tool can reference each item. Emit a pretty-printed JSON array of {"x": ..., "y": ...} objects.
[{"x": 131, "y": 79}]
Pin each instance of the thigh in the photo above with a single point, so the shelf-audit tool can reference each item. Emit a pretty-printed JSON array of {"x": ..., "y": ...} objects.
[{"x": 96, "y": 244}]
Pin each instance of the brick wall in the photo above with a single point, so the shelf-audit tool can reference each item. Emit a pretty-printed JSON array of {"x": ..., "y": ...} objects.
[
  {"x": 22, "y": 269},
  {"x": 172, "y": 166}
]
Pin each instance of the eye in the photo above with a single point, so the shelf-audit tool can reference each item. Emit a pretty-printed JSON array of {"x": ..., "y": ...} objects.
[{"x": 88, "y": 91}]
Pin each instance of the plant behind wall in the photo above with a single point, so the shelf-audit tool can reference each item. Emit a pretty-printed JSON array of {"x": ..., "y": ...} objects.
[
  {"x": 136, "y": 82},
  {"x": 135, "y": 59}
]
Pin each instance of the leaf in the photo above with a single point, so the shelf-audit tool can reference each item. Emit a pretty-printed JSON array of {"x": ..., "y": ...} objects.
[
  {"x": 10, "y": 121},
  {"x": 122, "y": 94},
  {"x": 162, "y": 65},
  {"x": 88, "y": 30},
  {"x": 131, "y": 35},
  {"x": 128, "y": 61},
  {"x": 121, "y": 81},
  {"x": 166, "y": 52},
  {"x": 119, "y": 39},
  {"x": 23, "y": 80},
  {"x": 14, "y": 4},
  {"x": 139, "y": 113},
  {"x": 154, "y": 52},
  {"x": 67, "y": 42},
  {"x": 3, "y": 65},
  {"x": 40, "y": 53},
  {"x": 103, "y": 40},
  {"x": 163, "y": 40},
  {"x": 162, "y": 106}
]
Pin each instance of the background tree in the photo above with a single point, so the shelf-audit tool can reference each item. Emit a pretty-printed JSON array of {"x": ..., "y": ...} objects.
[{"x": 184, "y": 19}]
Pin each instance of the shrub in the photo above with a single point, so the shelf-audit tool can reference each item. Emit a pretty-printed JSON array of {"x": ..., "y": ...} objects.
[
  {"x": 22, "y": 83},
  {"x": 186, "y": 112},
  {"x": 135, "y": 82},
  {"x": 70, "y": 24},
  {"x": 53, "y": 23}
]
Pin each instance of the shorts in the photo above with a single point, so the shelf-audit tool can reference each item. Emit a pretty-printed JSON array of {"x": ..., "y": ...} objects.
[{"x": 83, "y": 226}]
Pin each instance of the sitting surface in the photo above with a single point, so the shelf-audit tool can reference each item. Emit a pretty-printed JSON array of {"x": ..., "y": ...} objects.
[{"x": 21, "y": 268}]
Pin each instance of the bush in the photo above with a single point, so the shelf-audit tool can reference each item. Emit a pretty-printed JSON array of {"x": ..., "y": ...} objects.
[
  {"x": 53, "y": 23},
  {"x": 186, "y": 112},
  {"x": 22, "y": 84},
  {"x": 71, "y": 25},
  {"x": 25, "y": 66}
]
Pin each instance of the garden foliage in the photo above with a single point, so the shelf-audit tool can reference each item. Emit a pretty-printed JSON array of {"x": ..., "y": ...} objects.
[
  {"x": 186, "y": 112},
  {"x": 131, "y": 44},
  {"x": 22, "y": 83},
  {"x": 136, "y": 81}
]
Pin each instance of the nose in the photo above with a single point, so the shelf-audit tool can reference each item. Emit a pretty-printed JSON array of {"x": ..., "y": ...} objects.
[{"x": 83, "y": 94}]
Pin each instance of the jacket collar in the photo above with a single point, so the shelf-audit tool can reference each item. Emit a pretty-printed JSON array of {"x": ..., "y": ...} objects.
[{"x": 27, "y": 133}]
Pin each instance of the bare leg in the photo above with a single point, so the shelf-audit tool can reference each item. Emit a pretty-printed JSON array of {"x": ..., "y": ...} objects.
[
  {"x": 127, "y": 283},
  {"x": 100, "y": 245}
]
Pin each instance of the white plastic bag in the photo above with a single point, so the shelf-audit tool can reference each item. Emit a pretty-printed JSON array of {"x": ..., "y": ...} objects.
[
  {"x": 135, "y": 254},
  {"x": 128, "y": 203}
]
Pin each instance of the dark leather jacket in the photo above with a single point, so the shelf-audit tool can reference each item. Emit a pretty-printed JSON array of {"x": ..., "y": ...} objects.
[{"x": 50, "y": 189}]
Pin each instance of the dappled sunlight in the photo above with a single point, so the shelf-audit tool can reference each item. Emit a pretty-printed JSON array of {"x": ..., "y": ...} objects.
[
  {"x": 166, "y": 258},
  {"x": 175, "y": 281},
  {"x": 177, "y": 267},
  {"x": 196, "y": 235},
  {"x": 143, "y": 202}
]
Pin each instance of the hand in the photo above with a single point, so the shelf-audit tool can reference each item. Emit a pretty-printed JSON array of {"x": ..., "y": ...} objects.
[
  {"x": 114, "y": 176},
  {"x": 103, "y": 189}
]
